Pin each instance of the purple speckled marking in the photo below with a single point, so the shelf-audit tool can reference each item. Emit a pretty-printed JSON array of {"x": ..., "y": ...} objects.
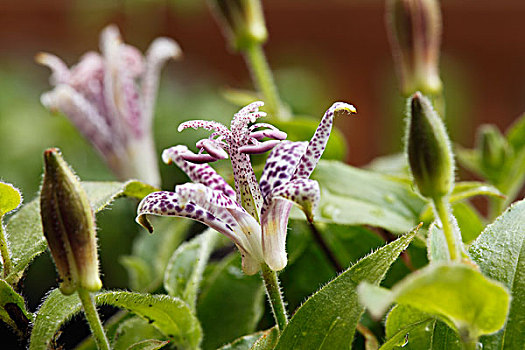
[
  {"x": 200, "y": 173},
  {"x": 101, "y": 95},
  {"x": 281, "y": 164},
  {"x": 318, "y": 142}
]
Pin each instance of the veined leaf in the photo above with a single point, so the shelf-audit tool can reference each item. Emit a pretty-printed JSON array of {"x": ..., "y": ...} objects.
[
  {"x": 411, "y": 329},
  {"x": 26, "y": 239},
  {"x": 460, "y": 295},
  {"x": 146, "y": 270},
  {"x": 10, "y": 198},
  {"x": 328, "y": 319},
  {"x": 134, "y": 330},
  {"x": 169, "y": 315},
  {"x": 265, "y": 340},
  {"x": 353, "y": 196},
  {"x": 150, "y": 344},
  {"x": 230, "y": 303},
  {"x": 12, "y": 309},
  {"x": 186, "y": 266},
  {"x": 500, "y": 253}
]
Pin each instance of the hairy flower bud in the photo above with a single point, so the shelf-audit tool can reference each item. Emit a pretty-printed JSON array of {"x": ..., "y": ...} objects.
[
  {"x": 428, "y": 149},
  {"x": 242, "y": 21},
  {"x": 493, "y": 146},
  {"x": 414, "y": 28},
  {"x": 69, "y": 225}
]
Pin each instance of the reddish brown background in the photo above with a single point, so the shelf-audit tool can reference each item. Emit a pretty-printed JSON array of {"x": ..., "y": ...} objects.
[{"x": 483, "y": 47}]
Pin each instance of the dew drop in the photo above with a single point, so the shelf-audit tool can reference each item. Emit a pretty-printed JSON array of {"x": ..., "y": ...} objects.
[{"x": 406, "y": 341}]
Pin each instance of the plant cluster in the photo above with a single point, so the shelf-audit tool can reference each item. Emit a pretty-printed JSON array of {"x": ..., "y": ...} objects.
[{"x": 390, "y": 256}]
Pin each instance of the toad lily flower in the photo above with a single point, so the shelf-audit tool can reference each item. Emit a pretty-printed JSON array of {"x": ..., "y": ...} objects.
[
  {"x": 254, "y": 216},
  {"x": 110, "y": 98}
]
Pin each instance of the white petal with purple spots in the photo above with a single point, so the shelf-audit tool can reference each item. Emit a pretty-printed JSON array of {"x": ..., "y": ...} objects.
[
  {"x": 200, "y": 173},
  {"x": 318, "y": 142},
  {"x": 280, "y": 165}
]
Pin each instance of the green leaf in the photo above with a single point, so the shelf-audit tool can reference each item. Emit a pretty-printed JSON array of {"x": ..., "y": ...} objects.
[
  {"x": 470, "y": 221},
  {"x": 328, "y": 319},
  {"x": 265, "y": 340},
  {"x": 460, "y": 295},
  {"x": 169, "y": 315},
  {"x": 13, "y": 309},
  {"x": 150, "y": 344},
  {"x": 26, "y": 239},
  {"x": 353, "y": 196},
  {"x": 516, "y": 134},
  {"x": 10, "y": 198},
  {"x": 411, "y": 329},
  {"x": 146, "y": 270},
  {"x": 230, "y": 304},
  {"x": 132, "y": 331},
  {"x": 186, "y": 266},
  {"x": 243, "y": 343},
  {"x": 500, "y": 253},
  {"x": 437, "y": 245},
  {"x": 468, "y": 189}
]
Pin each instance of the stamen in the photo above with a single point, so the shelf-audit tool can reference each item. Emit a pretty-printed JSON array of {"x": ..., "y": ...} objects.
[
  {"x": 213, "y": 148},
  {"x": 274, "y": 134},
  {"x": 260, "y": 147},
  {"x": 198, "y": 158}
]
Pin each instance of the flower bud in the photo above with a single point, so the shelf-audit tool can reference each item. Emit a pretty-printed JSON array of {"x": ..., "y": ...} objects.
[
  {"x": 428, "y": 148},
  {"x": 242, "y": 21},
  {"x": 414, "y": 28},
  {"x": 69, "y": 225},
  {"x": 493, "y": 147}
]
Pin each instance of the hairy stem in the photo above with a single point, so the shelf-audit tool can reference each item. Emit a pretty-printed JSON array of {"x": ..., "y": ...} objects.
[
  {"x": 93, "y": 319},
  {"x": 442, "y": 211},
  {"x": 324, "y": 247},
  {"x": 4, "y": 250},
  {"x": 273, "y": 291},
  {"x": 263, "y": 79}
]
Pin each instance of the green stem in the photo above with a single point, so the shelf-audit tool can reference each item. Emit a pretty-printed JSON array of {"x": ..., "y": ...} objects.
[
  {"x": 442, "y": 209},
  {"x": 470, "y": 345},
  {"x": 93, "y": 319},
  {"x": 4, "y": 250},
  {"x": 274, "y": 295},
  {"x": 263, "y": 79}
]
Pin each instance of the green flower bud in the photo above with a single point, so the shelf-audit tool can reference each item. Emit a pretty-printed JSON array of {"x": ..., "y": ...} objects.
[
  {"x": 428, "y": 148},
  {"x": 493, "y": 147},
  {"x": 242, "y": 21},
  {"x": 414, "y": 28},
  {"x": 69, "y": 225}
]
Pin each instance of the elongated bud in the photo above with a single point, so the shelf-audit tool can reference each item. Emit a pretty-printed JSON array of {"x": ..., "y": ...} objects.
[
  {"x": 242, "y": 21},
  {"x": 493, "y": 146},
  {"x": 69, "y": 225},
  {"x": 414, "y": 28},
  {"x": 428, "y": 148}
]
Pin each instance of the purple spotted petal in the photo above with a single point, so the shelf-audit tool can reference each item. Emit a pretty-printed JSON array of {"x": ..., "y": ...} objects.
[
  {"x": 260, "y": 147},
  {"x": 83, "y": 115},
  {"x": 318, "y": 142},
  {"x": 160, "y": 50},
  {"x": 280, "y": 165},
  {"x": 165, "y": 203},
  {"x": 200, "y": 173},
  {"x": 87, "y": 77},
  {"x": 302, "y": 192},
  {"x": 275, "y": 214},
  {"x": 200, "y": 203},
  {"x": 60, "y": 72},
  {"x": 123, "y": 64}
]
